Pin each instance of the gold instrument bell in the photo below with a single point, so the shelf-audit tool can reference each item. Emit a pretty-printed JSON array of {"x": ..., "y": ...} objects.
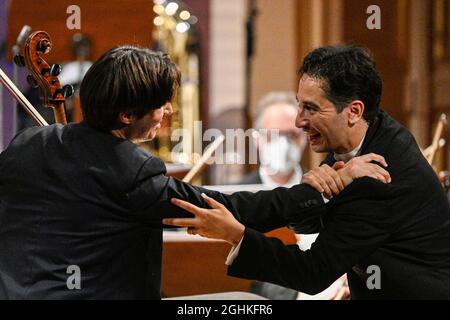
[{"x": 175, "y": 32}]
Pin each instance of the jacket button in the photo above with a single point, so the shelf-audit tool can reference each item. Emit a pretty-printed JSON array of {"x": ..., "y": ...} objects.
[{"x": 312, "y": 203}]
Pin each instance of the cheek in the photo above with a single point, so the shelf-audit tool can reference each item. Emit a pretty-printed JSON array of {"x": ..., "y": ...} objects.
[
  {"x": 160, "y": 114},
  {"x": 156, "y": 116},
  {"x": 319, "y": 124},
  {"x": 156, "y": 119},
  {"x": 323, "y": 127},
  {"x": 333, "y": 128}
]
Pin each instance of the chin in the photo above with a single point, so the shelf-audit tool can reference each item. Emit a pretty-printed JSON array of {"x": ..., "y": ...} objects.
[
  {"x": 147, "y": 138},
  {"x": 319, "y": 149},
  {"x": 152, "y": 135}
]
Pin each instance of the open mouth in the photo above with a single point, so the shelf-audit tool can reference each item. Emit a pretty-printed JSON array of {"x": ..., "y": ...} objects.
[{"x": 314, "y": 138}]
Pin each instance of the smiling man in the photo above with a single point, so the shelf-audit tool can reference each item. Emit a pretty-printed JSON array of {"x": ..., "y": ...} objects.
[
  {"x": 392, "y": 240},
  {"x": 329, "y": 128}
]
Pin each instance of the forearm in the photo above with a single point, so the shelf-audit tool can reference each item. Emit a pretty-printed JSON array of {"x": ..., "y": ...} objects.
[
  {"x": 353, "y": 232},
  {"x": 269, "y": 260},
  {"x": 268, "y": 210},
  {"x": 263, "y": 211}
]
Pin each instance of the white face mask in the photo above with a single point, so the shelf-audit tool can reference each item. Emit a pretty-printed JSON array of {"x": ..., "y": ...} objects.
[{"x": 280, "y": 156}]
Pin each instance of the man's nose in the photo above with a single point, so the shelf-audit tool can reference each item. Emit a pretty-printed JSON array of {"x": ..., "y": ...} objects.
[
  {"x": 168, "y": 110},
  {"x": 301, "y": 121}
]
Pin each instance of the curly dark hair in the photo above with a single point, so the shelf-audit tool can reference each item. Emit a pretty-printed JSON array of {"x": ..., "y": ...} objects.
[
  {"x": 346, "y": 73},
  {"x": 127, "y": 79}
]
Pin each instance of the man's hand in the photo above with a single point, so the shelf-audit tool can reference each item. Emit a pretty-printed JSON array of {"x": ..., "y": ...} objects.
[
  {"x": 325, "y": 179},
  {"x": 215, "y": 223},
  {"x": 361, "y": 166},
  {"x": 331, "y": 181},
  {"x": 343, "y": 292}
]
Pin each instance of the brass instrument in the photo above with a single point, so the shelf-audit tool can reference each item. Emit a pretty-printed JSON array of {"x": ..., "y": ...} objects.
[{"x": 175, "y": 32}]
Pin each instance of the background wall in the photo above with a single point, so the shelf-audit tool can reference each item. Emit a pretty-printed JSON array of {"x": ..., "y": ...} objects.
[
  {"x": 275, "y": 62},
  {"x": 107, "y": 23},
  {"x": 226, "y": 54},
  {"x": 6, "y": 67}
]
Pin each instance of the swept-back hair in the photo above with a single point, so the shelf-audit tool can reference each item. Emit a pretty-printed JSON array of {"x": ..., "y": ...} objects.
[{"x": 347, "y": 73}]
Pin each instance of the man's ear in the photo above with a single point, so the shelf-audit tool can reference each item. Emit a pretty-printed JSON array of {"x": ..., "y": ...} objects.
[
  {"x": 126, "y": 118},
  {"x": 355, "y": 111}
]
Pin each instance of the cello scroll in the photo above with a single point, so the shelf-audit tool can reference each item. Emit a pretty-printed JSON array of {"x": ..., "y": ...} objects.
[{"x": 43, "y": 75}]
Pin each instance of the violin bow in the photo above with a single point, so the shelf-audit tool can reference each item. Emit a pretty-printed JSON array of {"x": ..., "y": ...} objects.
[
  {"x": 437, "y": 142},
  {"x": 22, "y": 100},
  {"x": 201, "y": 164}
]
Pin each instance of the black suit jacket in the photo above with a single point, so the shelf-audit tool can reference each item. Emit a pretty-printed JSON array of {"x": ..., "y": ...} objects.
[
  {"x": 71, "y": 195},
  {"x": 402, "y": 228}
]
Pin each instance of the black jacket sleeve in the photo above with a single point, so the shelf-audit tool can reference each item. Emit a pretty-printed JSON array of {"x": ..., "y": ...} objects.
[
  {"x": 300, "y": 205},
  {"x": 354, "y": 230}
]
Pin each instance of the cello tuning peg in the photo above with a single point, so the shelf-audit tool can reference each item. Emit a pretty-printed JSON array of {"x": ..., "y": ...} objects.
[
  {"x": 44, "y": 71},
  {"x": 55, "y": 70},
  {"x": 67, "y": 91},
  {"x": 32, "y": 81},
  {"x": 43, "y": 46},
  {"x": 19, "y": 60}
]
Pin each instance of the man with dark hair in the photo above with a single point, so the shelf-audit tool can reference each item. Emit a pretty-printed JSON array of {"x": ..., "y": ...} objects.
[
  {"x": 392, "y": 240},
  {"x": 121, "y": 81},
  {"x": 81, "y": 205},
  {"x": 359, "y": 80}
]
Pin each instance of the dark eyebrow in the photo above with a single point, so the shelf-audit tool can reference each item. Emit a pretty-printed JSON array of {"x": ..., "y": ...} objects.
[{"x": 311, "y": 104}]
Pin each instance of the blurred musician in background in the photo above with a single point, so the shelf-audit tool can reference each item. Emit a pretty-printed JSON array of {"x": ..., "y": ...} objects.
[
  {"x": 74, "y": 71},
  {"x": 85, "y": 197},
  {"x": 280, "y": 157}
]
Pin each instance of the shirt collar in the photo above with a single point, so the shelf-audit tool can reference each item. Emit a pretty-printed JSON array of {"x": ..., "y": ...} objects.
[{"x": 350, "y": 155}]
